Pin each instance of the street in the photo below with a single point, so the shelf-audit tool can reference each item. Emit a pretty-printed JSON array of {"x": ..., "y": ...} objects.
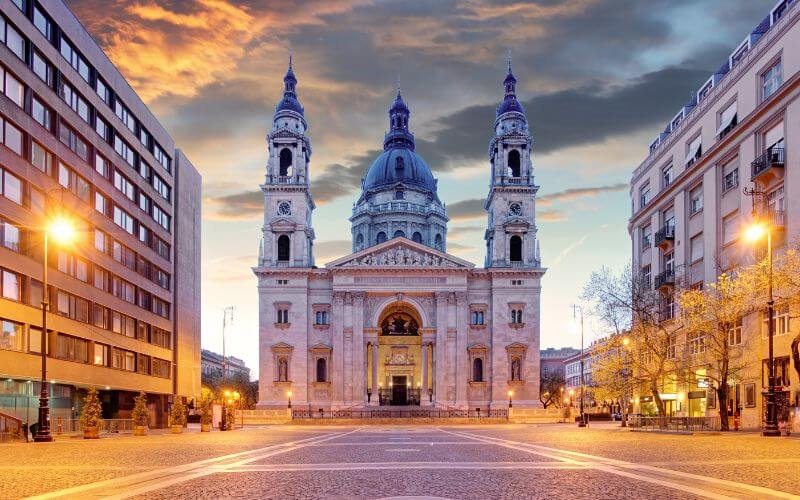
[{"x": 491, "y": 461}]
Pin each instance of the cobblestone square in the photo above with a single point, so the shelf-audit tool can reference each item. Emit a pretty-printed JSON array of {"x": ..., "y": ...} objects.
[{"x": 490, "y": 461}]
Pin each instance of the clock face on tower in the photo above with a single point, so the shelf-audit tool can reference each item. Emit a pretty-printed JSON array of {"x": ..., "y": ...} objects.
[
  {"x": 284, "y": 208},
  {"x": 515, "y": 209}
]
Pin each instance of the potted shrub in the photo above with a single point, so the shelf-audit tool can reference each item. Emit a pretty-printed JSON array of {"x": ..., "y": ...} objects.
[
  {"x": 177, "y": 416},
  {"x": 206, "y": 400},
  {"x": 140, "y": 415},
  {"x": 91, "y": 415}
]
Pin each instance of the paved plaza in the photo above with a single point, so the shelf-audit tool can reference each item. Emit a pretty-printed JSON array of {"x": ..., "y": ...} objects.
[{"x": 491, "y": 461}]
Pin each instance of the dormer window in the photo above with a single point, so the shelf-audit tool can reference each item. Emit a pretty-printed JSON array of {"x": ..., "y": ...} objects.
[
  {"x": 399, "y": 195},
  {"x": 399, "y": 165}
]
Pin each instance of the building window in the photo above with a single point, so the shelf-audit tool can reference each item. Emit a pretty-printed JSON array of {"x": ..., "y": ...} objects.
[
  {"x": 477, "y": 317},
  {"x": 730, "y": 176},
  {"x": 416, "y": 237},
  {"x": 771, "y": 79},
  {"x": 283, "y": 316},
  {"x": 515, "y": 252},
  {"x": 646, "y": 233},
  {"x": 666, "y": 176},
  {"x": 477, "y": 370},
  {"x": 10, "y": 136},
  {"x": 11, "y": 335},
  {"x": 781, "y": 366},
  {"x": 696, "y": 248},
  {"x": 780, "y": 321},
  {"x": 646, "y": 276},
  {"x": 399, "y": 195},
  {"x": 285, "y": 162},
  {"x": 696, "y": 200},
  {"x": 437, "y": 242},
  {"x": 284, "y": 252},
  {"x": 773, "y": 138},
  {"x": 11, "y": 285},
  {"x": 41, "y": 113},
  {"x": 322, "y": 370},
  {"x": 644, "y": 195},
  {"x": 735, "y": 334},
  {"x": 124, "y": 150},
  {"x": 516, "y": 316},
  {"x": 12, "y": 88},
  {"x": 321, "y": 318},
  {"x": 694, "y": 150},
  {"x": 514, "y": 163},
  {"x": 9, "y": 236},
  {"x": 73, "y": 141},
  {"x": 12, "y": 38},
  {"x": 730, "y": 228},
  {"x": 381, "y": 237},
  {"x": 728, "y": 119},
  {"x": 697, "y": 343}
]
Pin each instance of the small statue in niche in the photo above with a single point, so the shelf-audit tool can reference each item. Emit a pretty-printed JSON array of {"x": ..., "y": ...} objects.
[{"x": 515, "y": 369}]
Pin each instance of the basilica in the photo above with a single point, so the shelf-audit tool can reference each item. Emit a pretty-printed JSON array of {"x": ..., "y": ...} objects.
[{"x": 399, "y": 321}]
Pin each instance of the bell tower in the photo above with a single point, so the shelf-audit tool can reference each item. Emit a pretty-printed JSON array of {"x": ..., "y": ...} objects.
[
  {"x": 511, "y": 204},
  {"x": 287, "y": 232}
]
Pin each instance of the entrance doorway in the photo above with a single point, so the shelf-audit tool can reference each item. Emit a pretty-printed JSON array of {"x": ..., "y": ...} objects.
[{"x": 399, "y": 390}]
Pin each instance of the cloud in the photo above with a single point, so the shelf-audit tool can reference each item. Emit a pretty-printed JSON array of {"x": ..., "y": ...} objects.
[
  {"x": 551, "y": 216},
  {"x": 244, "y": 205},
  {"x": 466, "y": 210},
  {"x": 461, "y": 231},
  {"x": 571, "y": 194}
]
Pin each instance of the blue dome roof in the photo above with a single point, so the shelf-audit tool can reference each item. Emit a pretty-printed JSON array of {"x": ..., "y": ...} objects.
[
  {"x": 289, "y": 102},
  {"x": 510, "y": 104},
  {"x": 384, "y": 170}
]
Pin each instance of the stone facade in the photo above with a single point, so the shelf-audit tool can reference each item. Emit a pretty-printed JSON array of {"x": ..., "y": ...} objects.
[{"x": 399, "y": 321}]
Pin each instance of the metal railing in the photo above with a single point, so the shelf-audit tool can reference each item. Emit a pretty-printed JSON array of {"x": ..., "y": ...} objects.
[
  {"x": 665, "y": 234},
  {"x": 772, "y": 157},
  {"x": 107, "y": 425},
  {"x": 399, "y": 413},
  {"x": 665, "y": 278},
  {"x": 674, "y": 423},
  {"x": 401, "y": 206},
  {"x": 10, "y": 428}
]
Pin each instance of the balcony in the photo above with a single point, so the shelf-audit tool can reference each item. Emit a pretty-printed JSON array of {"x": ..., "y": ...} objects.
[
  {"x": 768, "y": 163},
  {"x": 285, "y": 179},
  {"x": 664, "y": 279},
  {"x": 665, "y": 236}
]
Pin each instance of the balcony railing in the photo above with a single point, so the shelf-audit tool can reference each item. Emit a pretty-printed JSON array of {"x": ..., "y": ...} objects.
[
  {"x": 771, "y": 158},
  {"x": 665, "y": 235},
  {"x": 285, "y": 179},
  {"x": 401, "y": 206},
  {"x": 665, "y": 278}
]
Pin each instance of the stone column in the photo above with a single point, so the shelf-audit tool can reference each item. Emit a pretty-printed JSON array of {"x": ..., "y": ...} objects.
[
  {"x": 440, "y": 351},
  {"x": 423, "y": 396},
  {"x": 375, "y": 393},
  {"x": 359, "y": 352},
  {"x": 462, "y": 361},
  {"x": 337, "y": 375}
]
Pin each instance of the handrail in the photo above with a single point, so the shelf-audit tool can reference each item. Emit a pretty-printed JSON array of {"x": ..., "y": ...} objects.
[{"x": 772, "y": 157}]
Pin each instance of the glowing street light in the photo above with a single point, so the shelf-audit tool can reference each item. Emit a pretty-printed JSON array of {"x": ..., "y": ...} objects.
[
  {"x": 62, "y": 230},
  {"x": 289, "y": 396},
  {"x": 753, "y": 234},
  {"x": 510, "y": 394}
]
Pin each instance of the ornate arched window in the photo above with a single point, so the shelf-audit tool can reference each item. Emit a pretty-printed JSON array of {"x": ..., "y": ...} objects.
[
  {"x": 417, "y": 237},
  {"x": 399, "y": 234},
  {"x": 477, "y": 370},
  {"x": 285, "y": 162},
  {"x": 284, "y": 248},
  {"x": 399, "y": 195},
  {"x": 359, "y": 242},
  {"x": 381, "y": 237},
  {"x": 322, "y": 370},
  {"x": 515, "y": 245},
  {"x": 437, "y": 242},
  {"x": 514, "y": 163}
]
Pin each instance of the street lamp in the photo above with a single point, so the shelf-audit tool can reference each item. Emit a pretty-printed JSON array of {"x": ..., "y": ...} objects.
[
  {"x": 510, "y": 394},
  {"x": 575, "y": 309},
  {"x": 754, "y": 233},
  {"x": 63, "y": 232},
  {"x": 289, "y": 396}
]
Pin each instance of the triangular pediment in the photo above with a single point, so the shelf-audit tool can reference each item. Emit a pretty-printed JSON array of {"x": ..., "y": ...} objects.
[
  {"x": 400, "y": 253},
  {"x": 282, "y": 224}
]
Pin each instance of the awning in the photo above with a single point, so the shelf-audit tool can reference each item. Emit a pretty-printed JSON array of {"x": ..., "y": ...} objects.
[
  {"x": 694, "y": 148},
  {"x": 773, "y": 136},
  {"x": 727, "y": 117}
]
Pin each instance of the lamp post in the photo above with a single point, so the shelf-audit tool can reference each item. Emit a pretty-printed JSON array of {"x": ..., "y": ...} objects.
[
  {"x": 289, "y": 397},
  {"x": 755, "y": 233},
  {"x": 63, "y": 232},
  {"x": 575, "y": 308},
  {"x": 510, "y": 394}
]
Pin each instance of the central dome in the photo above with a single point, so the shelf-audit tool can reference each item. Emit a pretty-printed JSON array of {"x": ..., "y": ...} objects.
[{"x": 399, "y": 165}]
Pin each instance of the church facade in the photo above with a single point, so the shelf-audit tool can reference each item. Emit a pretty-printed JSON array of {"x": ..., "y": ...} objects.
[{"x": 399, "y": 321}]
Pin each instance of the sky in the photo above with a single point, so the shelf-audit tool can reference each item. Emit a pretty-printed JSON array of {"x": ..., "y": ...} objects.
[{"x": 598, "y": 79}]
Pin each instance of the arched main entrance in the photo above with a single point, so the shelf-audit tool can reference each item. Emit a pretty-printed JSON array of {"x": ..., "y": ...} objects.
[{"x": 400, "y": 358}]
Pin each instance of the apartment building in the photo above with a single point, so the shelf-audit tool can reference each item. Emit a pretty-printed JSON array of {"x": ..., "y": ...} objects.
[
  {"x": 552, "y": 360},
  {"x": 740, "y": 129},
  {"x": 124, "y": 297},
  {"x": 213, "y": 365}
]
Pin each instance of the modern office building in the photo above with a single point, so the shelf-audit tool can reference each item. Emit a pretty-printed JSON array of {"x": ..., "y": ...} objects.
[
  {"x": 740, "y": 129},
  {"x": 77, "y": 141}
]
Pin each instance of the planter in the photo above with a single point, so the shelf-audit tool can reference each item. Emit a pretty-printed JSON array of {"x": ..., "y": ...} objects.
[
  {"x": 91, "y": 433},
  {"x": 177, "y": 429},
  {"x": 205, "y": 427},
  {"x": 140, "y": 430}
]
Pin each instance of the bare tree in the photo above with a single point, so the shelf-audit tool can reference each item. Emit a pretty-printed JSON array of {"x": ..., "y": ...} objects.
[
  {"x": 551, "y": 389},
  {"x": 624, "y": 301}
]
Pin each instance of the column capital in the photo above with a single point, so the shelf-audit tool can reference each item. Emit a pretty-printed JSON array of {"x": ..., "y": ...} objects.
[
  {"x": 359, "y": 297},
  {"x": 338, "y": 298}
]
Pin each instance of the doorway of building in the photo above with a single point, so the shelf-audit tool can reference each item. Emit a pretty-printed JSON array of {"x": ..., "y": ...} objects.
[{"x": 399, "y": 390}]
